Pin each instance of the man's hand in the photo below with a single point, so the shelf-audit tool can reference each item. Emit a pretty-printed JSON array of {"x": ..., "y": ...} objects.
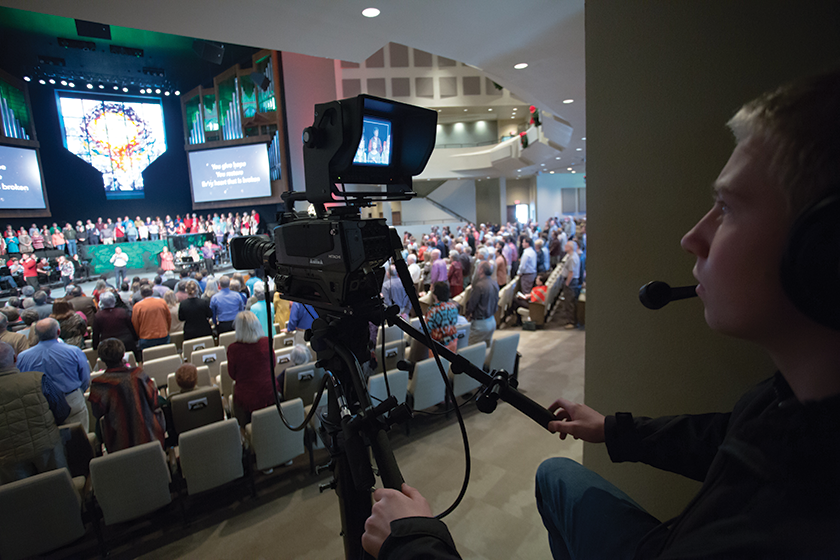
[
  {"x": 391, "y": 505},
  {"x": 577, "y": 420}
]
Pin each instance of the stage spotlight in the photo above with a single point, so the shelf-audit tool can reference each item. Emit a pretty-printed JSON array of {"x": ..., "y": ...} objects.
[
  {"x": 42, "y": 82},
  {"x": 142, "y": 91},
  {"x": 64, "y": 82},
  {"x": 166, "y": 93},
  {"x": 157, "y": 90},
  {"x": 90, "y": 86},
  {"x": 177, "y": 92},
  {"x": 71, "y": 84},
  {"x": 125, "y": 90},
  {"x": 260, "y": 80},
  {"x": 52, "y": 82},
  {"x": 101, "y": 86},
  {"x": 116, "y": 88},
  {"x": 27, "y": 79}
]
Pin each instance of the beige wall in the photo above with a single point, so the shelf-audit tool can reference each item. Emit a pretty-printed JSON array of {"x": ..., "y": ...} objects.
[{"x": 662, "y": 79}]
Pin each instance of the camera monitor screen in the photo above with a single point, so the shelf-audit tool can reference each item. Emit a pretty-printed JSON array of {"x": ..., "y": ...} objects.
[
  {"x": 230, "y": 173},
  {"x": 20, "y": 179},
  {"x": 375, "y": 145}
]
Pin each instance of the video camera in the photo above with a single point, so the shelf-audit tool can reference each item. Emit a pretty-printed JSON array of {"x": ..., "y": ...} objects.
[{"x": 333, "y": 261}]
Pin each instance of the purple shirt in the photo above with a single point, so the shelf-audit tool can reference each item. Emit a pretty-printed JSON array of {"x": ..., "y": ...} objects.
[{"x": 438, "y": 273}]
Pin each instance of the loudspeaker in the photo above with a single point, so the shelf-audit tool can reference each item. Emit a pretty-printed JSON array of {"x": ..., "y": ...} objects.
[
  {"x": 260, "y": 80},
  {"x": 92, "y": 29},
  {"x": 211, "y": 52},
  {"x": 810, "y": 269}
]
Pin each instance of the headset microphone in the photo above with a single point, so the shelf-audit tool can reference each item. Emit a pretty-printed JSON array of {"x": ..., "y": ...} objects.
[{"x": 656, "y": 295}]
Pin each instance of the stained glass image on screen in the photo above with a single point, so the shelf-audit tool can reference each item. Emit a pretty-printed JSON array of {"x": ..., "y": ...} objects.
[
  {"x": 375, "y": 145},
  {"x": 230, "y": 173},
  {"x": 20, "y": 179},
  {"x": 119, "y": 136}
]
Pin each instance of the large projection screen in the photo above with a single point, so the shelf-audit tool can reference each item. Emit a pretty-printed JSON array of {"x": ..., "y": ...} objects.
[
  {"x": 21, "y": 183},
  {"x": 230, "y": 174}
]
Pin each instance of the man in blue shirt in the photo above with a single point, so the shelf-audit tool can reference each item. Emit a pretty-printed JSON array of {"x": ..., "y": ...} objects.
[
  {"x": 393, "y": 292},
  {"x": 65, "y": 365},
  {"x": 301, "y": 317},
  {"x": 225, "y": 306},
  {"x": 527, "y": 266}
]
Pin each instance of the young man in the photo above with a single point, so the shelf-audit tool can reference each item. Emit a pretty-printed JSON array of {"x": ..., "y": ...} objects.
[{"x": 769, "y": 468}]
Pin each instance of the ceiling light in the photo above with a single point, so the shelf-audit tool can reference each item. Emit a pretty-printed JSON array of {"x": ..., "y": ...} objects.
[
  {"x": 490, "y": 109},
  {"x": 465, "y": 110},
  {"x": 52, "y": 81},
  {"x": 542, "y": 165},
  {"x": 521, "y": 65},
  {"x": 42, "y": 82},
  {"x": 166, "y": 93},
  {"x": 558, "y": 157},
  {"x": 567, "y": 101},
  {"x": 513, "y": 117},
  {"x": 64, "y": 82},
  {"x": 27, "y": 79},
  {"x": 578, "y": 149},
  {"x": 584, "y": 138},
  {"x": 551, "y": 172},
  {"x": 116, "y": 88},
  {"x": 568, "y": 169},
  {"x": 125, "y": 90},
  {"x": 90, "y": 86},
  {"x": 101, "y": 86},
  {"x": 71, "y": 84},
  {"x": 142, "y": 91},
  {"x": 177, "y": 92},
  {"x": 157, "y": 90},
  {"x": 574, "y": 171},
  {"x": 370, "y": 12}
]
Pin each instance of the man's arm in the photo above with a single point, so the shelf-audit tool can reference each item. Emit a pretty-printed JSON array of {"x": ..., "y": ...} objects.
[
  {"x": 55, "y": 398},
  {"x": 83, "y": 368}
]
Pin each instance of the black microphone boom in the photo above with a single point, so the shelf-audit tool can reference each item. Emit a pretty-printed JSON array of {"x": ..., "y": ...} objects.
[{"x": 656, "y": 295}]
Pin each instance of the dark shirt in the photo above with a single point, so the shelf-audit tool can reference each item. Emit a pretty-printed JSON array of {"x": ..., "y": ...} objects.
[
  {"x": 84, "y": 304},
  {"x": 484, "y": 299},
  {"x": 114, "y": 323},
  {"x": 194, "y": 312}
]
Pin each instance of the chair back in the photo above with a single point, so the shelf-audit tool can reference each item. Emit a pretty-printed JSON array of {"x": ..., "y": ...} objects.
[
  {"x": 426, "y": 386},
  {"x": 161, "y": 351},
  {"x": 196, "y": 408},
  {"x": 392, "y": 334},
  {"x": 394, "y": 352},
  {"x": 160, "y": 368},
  {"x": 397, "y": 380},
  {"x": 284, "y": 340},
  {"x": 200, "y": 343},
  {"x": 203, "y": 380},
  {"x": 211, "y": 455},
  {"x": 272, "y": 442},
  {"x": 91, "y": 355},
  {"x": 502, "y": 353},
  {"x": 463, "y": 336},
  {"x": 38, "y": 514},
  {"x": 461, "y": 382},
  {"x": 177, "y": 338},
  {"x": 302, "y": 382},
  {"x": 128, "y": 359},
  {"x": 225, "y": 380},
  {"x": 131, "y": 482},
  {"x": 212, "y": 357},
  {"x": 225, "y": 339}
]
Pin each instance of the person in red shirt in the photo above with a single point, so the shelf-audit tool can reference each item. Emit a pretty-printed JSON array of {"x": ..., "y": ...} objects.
[
  {"x": 30, "y": 270},
  {"x": 250, "y": 359}
]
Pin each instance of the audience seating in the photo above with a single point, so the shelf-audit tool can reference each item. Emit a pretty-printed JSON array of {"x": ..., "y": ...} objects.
[
  {"x": 161, "y": 351},
  {"x": 196, "y": 408},
  {"x": 132, "y": 361},
  {"x": 194, "y": 344},
  {"x": 211, "y": 455},
  {"x": 506, "y": 295},
  {"x": 461, "y": 382},
  {"x": 392, "y": 334},
  {"x": 131, "y": 483},
  {"x": 463, "y": 336},
  {"x": 426, "y": 387},
  {"x": 284, "y": 340},
  {"x": 283, "y": 358},
  {"x": 398, "y": 382},
  {"x": 225, "y": 381},
  {"x": 204, "y": 380},
  {"x": 302, "y": 382},
  {"x": 39, "y": 514},
  {"x": 92, "y": 355},
  {"x": 225, "y": 339},
  {"x": 213, "y": 358},
  {"x": 394, "y": 352},
  {"x": 502, "y": 354},
  {"x": 177, "y": 338},
  {"x": 271, "y": 441},
  {"x": 462, "y": 298},
  {"x": 159, "y": 369}
]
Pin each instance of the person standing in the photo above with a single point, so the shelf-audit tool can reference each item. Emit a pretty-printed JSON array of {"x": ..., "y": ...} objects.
[
  {"x": 195, "y": 312},
  {"x": 151, "y": 320},
  {"x": 114, "y": 322},
  {"x": 30, "y": 270},
  {"x": 83, "y": 303},
  {"x": 119, "y": 260},
  {"x": 570, "y": 276},
  {"x": 442, "y": 317},
  {"x": 207, "y": 253},
  {"x": 249, "y": 364},
  {"x": 69, "y": 233},
  {"x": 225, "y": 305},
  {"x": 481, "y": 307},
  {"x": 32, "y": 446},
  {"x": 527, "y": 266},
  {"x": 17, "y": 341},
  {"x": 66, "y": 268},
  {"x": 65, "y": 365}
]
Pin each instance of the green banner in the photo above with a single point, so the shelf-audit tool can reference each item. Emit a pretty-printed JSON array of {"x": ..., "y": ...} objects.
[{"x": 142, "y": 255}]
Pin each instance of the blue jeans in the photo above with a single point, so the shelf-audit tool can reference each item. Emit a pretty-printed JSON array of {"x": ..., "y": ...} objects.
[
  {"x": 71, "y": 245},
  {"x": 144, "y": 343},
  {"x": 586, "y": 516}
]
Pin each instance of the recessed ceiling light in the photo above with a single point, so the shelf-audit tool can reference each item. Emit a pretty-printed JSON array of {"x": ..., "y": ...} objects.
[
  {"x": 42, "y": 82},
  {"x": 513, "y": 117},
  {"x": 465, "y": 110},
  {"x": 551, "y": 172},
  {"x": 71, "y": 84},
  {"x": 578, "y": 149},
  {"x": 584, "y": 138},
  {"x": 521, "y": 65},
  {"x": 574, "y": 171},
  {"x": 52, "y": 81},
  {"x": 519, "y": 171},
  {"x": 558, "y": 157},
  {"x": 542, "y": 165},
  {"x": 125, "y": 90},
  {"x": 490, "y": 109},
  {"x": 568, "y": 169},
  {"x": 27, "y": 79},
  {"x": 177, "y": 92},
  {"x": 370, "y": 12},
  {"x": 567, "y": 101},
  {"x": 90, "y": 86}
]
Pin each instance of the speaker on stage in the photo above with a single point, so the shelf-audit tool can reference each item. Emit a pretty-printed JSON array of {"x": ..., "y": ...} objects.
[{"x": 211, "y": 52}]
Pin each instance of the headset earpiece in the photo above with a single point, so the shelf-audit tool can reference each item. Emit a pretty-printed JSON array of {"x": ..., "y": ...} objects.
[{"x": 810, "y": 268}]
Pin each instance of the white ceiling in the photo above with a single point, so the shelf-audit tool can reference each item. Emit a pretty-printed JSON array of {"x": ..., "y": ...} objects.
[{"x": 492, "y": 35}]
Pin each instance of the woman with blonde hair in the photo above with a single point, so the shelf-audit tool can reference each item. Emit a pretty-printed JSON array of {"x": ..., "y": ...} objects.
[
  {"x": 172, "y": 302},
  {"x": 250, "y": 361}
]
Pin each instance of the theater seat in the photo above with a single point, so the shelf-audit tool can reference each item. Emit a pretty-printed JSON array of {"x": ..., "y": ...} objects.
[{"x": 211, "y": 455}]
